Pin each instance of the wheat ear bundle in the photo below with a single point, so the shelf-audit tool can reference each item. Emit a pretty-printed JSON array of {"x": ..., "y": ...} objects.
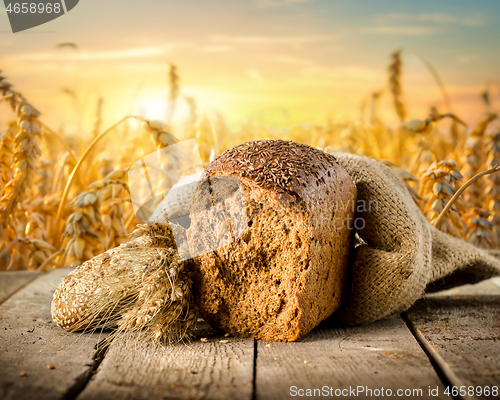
[{"x": 138, "y": 287}]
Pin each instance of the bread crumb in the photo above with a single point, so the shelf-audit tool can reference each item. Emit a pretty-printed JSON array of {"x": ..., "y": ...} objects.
[
  {"x": 306, "y": 362},
  {"x": 226, "y": 335},
  {"x": 224, "y": 341},
  {"x": 331, "y": 356},
  {"x": 23, "y": 373},
  {"x": 268, "y": 345},
  {"x": 51, "y": 366},
  {"x": 204, "y": 340}
]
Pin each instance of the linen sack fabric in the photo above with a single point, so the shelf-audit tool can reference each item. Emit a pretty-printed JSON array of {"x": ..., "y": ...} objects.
[{"x": 401, "y": 253}]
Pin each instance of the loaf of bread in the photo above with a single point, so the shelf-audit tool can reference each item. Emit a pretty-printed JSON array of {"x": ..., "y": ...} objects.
[{"x": 286, "y": 271}]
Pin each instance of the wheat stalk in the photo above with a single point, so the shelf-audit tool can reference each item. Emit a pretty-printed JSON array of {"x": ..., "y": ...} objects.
[
  {"x": 439, "y": 82},
  {"x": 45, "y": 130},
  {"x": 6, "y": 157},
  {"x": 439, "y": 184},
  {"x": 71, "y": 178},
  {"x": 111, "y": 199},
  {"x": 82, "y": 228},
  {"x": 474, "y": 157},
  {"x": 192, "y": 117},
  {"x": 160, "y": 133},
  {"x": 98, "y": 118},
  {"x": 173, "y": 79},
  {"x": 492, "y": 192},
  {"x": 206, "y": 137},
  {"x": 26, "y": 151},
  {"x": 395, "y": 85},
  {"x": 39, "y": 250},
  {"x": 427, "y": 125}
]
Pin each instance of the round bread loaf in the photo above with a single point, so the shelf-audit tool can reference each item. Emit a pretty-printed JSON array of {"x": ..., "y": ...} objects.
[{"x": 285, "y": 272}]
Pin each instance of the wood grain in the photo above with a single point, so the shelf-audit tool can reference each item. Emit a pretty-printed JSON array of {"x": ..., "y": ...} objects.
[
  {"x": 382, "y": 354},
  {"x": 465, "y": 331},
  {"x": 10, "y": 282},
  {"x": 30, "y": 341},
  {"x": 195, "y": 370}
]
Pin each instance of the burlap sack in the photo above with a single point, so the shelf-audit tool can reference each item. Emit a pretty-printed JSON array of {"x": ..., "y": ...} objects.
[{"x": 401, "y": 253}]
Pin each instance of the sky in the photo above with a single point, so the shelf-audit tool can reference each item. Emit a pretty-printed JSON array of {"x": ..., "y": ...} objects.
[{"x": 277, "y": 62}]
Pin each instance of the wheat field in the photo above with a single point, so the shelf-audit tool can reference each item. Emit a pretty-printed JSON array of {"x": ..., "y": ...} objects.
[{"x": 65, "y": 199}]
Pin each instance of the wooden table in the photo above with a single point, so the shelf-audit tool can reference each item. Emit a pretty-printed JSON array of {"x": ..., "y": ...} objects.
[{"x": 450, "y": 338}]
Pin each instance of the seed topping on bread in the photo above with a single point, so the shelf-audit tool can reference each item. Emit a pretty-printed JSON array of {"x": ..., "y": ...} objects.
[{"x": 275, "y": 164}]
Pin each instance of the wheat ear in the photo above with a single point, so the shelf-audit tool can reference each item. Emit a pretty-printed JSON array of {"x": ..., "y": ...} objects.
[
  {"x": 62, "y": 204},
  {"x": 26, "y": 151},
  {"x": 461, "y": 190},
  {"x": 395, "y": 85}
]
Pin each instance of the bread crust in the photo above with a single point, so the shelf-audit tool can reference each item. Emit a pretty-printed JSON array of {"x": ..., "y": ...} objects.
[{"x": 287, "y": 272}]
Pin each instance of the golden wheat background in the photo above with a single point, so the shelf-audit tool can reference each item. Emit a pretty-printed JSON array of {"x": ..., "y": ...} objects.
[{"x": 64, "y": 199}]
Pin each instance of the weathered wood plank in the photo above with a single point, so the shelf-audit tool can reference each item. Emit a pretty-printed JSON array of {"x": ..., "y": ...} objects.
[
  {"x": 465, "y": 333},
  {"x": 194, "y": 370},
  {"x": 30, "y": 341},
  {"x": 10, "y": 282},
  {"x": 489, "y": 286},
  {"x": 380, "y": 355}
]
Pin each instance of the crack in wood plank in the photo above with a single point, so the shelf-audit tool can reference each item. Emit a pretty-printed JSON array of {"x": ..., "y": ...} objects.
[
  {"x": 444, "y": 371},
  {"x": 460, "y": 334},
  {"x": 340, "y": 343}
]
